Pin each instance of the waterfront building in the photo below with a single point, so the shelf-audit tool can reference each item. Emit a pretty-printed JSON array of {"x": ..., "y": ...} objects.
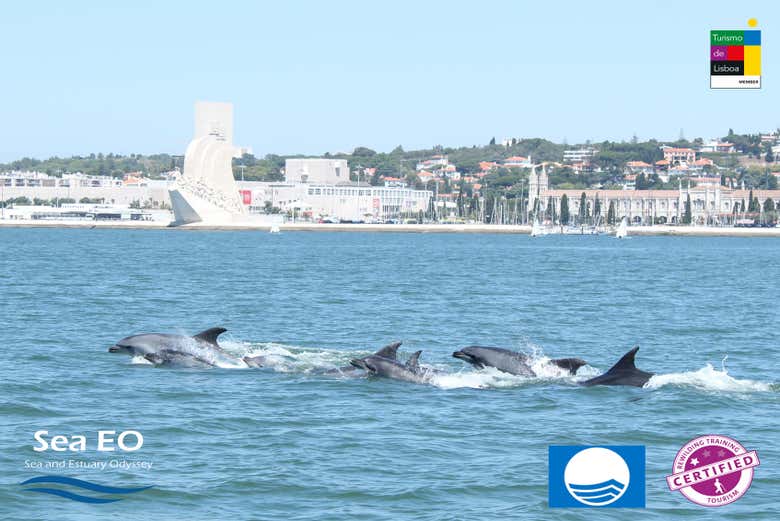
[
  {"x": 709, "y": 205},
  {"x": 77, "y": 186},
  {"x": 316, "y": 171},
  {"x": 84, "y": 212},
  {"x": 346, "y": 202}
]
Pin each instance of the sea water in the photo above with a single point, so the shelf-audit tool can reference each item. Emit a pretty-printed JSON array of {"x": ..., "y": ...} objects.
[{"x": 288, "y": 442}]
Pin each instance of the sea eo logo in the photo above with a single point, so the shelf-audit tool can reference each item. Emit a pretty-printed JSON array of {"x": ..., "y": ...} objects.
[
  {"x": 596, "y": 476},
  {"x": 713, "y": 470}
]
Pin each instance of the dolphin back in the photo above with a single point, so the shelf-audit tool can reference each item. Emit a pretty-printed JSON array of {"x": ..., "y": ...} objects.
[
  {"x": 624, "y": 372},
  {"x": 570, "y": 364},
  {"x": 210, "y": 336},
  {"x": 390, "y": 351}
]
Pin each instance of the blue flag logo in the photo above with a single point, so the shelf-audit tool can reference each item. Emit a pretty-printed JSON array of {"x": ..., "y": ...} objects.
[{"x": 596, "y": 476}]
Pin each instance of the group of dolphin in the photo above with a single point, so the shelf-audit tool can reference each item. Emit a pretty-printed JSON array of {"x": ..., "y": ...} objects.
[{"x": 203, "y": 350}]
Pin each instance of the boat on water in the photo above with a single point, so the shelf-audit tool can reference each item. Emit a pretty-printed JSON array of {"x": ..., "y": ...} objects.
[
  {"x": 537, "y": 230},
  {"x": 274, "y": 229},
  {"x": 622, "y": 230}
]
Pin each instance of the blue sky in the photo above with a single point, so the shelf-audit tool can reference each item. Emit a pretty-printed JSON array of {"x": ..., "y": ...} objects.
[{"x": 312, "y": 77}]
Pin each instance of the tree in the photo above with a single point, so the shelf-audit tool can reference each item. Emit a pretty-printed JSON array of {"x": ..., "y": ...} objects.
[
  {"x": 564, "y": 209},
  {"x": 611, "y": 213},
  {"x": 597, "y": 207},
  {"x": 492, "y": 141},
  {"x": 363, "y": 152},
  {"x": 770, "y": 156},
  {"x": 687, "y": 217},
  {"x": 549, "y": 212},
  {"x": 583, "y": 208},
  {"x": 769, "y": 205},
  {"x": 753, "y": 203},
  {"x": 460, "y": 199}
]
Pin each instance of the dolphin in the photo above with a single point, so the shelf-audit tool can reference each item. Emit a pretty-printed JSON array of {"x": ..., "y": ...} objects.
[
  {"x": 173, "y": 358},
  {"x": 624, "y": 372},
  {"x": 203, "y": 345},
  {"x": 510, "y": 362},
  {"x": 255, "y": 361},
  {"x": 381, "y": 366},
  {"x": 390, "y": 352}
]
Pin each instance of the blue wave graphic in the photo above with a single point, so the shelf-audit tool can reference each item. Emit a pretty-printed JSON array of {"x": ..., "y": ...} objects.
[
  {"x": 80, "y": 484},
  {"x": 597, "y": 492},
  {"x": 71, "y": 495}
]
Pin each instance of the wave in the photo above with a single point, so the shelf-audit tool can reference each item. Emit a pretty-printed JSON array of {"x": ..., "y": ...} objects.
[
  {"x": 597, "y": 493},
  {"x": 72, "y": 496},
  {"x": 81, "y": 485},
  {"x": 708, "y": 379}
]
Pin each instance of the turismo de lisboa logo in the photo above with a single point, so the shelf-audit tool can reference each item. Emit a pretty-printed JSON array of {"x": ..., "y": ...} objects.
[
  {"x": 596, "y": 476},
  {"x": 713, "y": 470},
  {"x": 735, "y": 58}
]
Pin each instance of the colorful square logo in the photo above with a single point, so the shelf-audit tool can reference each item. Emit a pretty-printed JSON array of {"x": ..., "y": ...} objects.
[
  {"x": 608, "y": 476},
  {"x": 735, "y": 59}
]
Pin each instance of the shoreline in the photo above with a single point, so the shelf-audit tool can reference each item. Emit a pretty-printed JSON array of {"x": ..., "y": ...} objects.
[{"x": 660, "y": 230}]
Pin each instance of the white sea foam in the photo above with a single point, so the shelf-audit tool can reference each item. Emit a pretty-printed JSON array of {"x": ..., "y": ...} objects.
[
  {"x": 488, "y": 377},
  {"x": 709, "y": 379},
  {"x": 293, "y": 359}
]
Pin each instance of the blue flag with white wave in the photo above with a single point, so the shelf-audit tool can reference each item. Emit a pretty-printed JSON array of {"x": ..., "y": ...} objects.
[{"x": 596, "y": 476}]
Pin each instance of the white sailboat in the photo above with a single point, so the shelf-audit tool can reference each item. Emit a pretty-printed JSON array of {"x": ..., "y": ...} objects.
[
  {"x": 537, "y": 230},
  {"x": 274, "y": 229},
  {"x": 622, "y": 230}
]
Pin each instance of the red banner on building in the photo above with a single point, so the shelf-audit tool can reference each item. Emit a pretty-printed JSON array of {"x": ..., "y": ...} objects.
[{"x": 246, "y": 196}]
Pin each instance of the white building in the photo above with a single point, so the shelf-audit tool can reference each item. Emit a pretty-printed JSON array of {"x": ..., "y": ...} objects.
[
  {"x": 346, "y": 202},
  {"x": 717, "y": 146},
  {"x": 84, "y": 212},
  {"x": 322, "y": 171},
  {"x": 77, "y": 186},
  {"x": 579, "y": 155},
  {"x": 437, "y": 162}
]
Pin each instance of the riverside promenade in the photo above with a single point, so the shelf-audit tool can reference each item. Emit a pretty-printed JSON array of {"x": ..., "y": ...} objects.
[{"x": 703, "y": 231}]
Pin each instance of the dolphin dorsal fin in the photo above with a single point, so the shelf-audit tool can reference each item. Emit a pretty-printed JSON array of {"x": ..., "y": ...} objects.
[
  {"x": 210, "y": 335},
  {"x": 389, "y": 351},
  {"x": 413, "y": 362},
  {"x": 626, "y": 363}
]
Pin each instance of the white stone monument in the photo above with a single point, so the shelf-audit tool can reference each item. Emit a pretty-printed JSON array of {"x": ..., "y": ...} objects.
[{"x": 206, "y": 192}]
